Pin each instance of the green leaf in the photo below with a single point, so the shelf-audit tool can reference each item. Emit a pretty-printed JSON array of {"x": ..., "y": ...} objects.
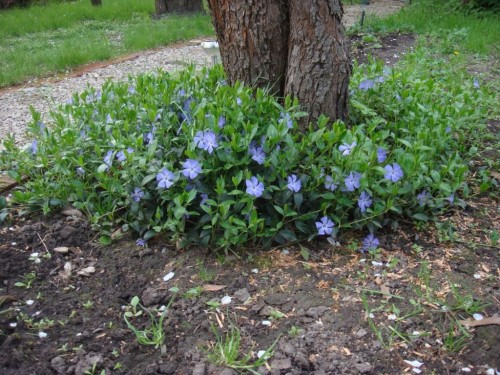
[
  {"x": 105, "y": 240},
  {"x": 304, "y": 252},
  {"x": 288, "y": 235},
  {"x": 420, "y": 217}
]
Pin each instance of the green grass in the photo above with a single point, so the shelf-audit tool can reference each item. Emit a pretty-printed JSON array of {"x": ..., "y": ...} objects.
[
  {"x": 475, "y": 33},
  {"x": 42, "y": 40}
]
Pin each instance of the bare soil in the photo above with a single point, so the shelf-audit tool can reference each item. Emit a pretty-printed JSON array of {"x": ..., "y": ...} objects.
[{"x": 314, "y": 299}]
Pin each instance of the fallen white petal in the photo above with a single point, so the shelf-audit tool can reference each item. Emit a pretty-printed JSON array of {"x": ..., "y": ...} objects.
[
  {"x": 478, "y": 316},
  {"x": 370, "y": 315},
  {"x": 375, "y": 263},
  {"x": 14, "y": 243},
  {"x": 415, "y": 363},
  {"x": 162, "y": 308},
  {"x": 266, "y": 323},
  {"x": 362, "y": 260},
  {"x": 255, "y": 270},
  {"x": 30, "y": 302},
  {"x": 416, "y": 370},
  {"x": 168, "y": 276},
  {"x": 392, "y": 317},
  {"x": 285, "y": 251},
  {"x": 42, "y": 334},
  {"x": 225, "y": 300},
  {"x": 13, "y": 324},
  {"x": 477, "y": 276},
  {"x": 38, "y": 260},
  {"x": 415, "y": 333},
  {"x": 260, "y": 353},
  {"x": 34, "y": 255},
  {"x": 465, "y": 369}
]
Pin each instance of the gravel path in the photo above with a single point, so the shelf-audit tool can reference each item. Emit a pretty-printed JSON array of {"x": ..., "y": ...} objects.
[{"x": 44, "y": 95}]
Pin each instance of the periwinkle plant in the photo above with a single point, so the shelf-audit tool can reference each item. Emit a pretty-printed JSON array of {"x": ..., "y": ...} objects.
[{"x": 203, "y": 162}]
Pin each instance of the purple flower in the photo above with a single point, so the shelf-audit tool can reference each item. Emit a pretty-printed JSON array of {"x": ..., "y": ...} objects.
[
  {"x": 352, "y": 181},
  {"x": 108, "y": 119},
  {"x": 451, "y": 198},
  {"x": 330, "y": 184},
  {"x": 80, "y": 171},
  {"x": 370, "y": 243},
  {"x": 476, "y": 83},
  {"x": 69, "y": 101},
  {"x": 191, "y": 168},
  {"x": 398, "y": 97},
  {"x": 221, "y": 122},
  {"x": 423, "y": 197},
  {"x": 158, "y": 116},
  {"x": 381, "y": 154},
  {"x": 294, "y": 184},
  {"x": 285, "y": 117},
  {"x": 108, "y": 159},
  {"x": 34, "y": 147},
  {"x": 199, "y": 139},
  {"x": 238, "y": 101},
  {"x": 364, "y": 201},
  {"x": 325, "y": 226},
  {"x": 165, "y": 178},
  {"x": 181, "y": 93},
  {"x": 393, "y": 172},
  {"x": 448, "y": 129},
  {"x": 208, "y": 141},
  {"x": 120, "y": 155},
  {"x": 366, "y": 84},
  {"x": 137, "y": 194},
  {"x": 148, "y": 138},
  {"x": 346, "y": 149},
  {"x": 140, "y": 242},
  {"x": 204, "y": 199},
  {"x": 258, "y": 154},
  {"x": 131, "y": 89},
  {"x": 254, "y": 187},
  {"x": 380, "y": 79}
]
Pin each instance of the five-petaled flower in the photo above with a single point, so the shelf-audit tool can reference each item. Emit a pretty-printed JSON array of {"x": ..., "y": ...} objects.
[
  {"x": 330, "y": 183},
  {"x": 381, "y": 154},
  {"x": 352, "y": 181},
  {"x": 206, "y": 140},
  {"x": 393, "y": 172},
  {"x": 370, "y": 242},
  {"x": 221, "y": 122},
  {"x": 34, "y": 147},
  {"x": 257, "y": 154},
  {"x": 108, "y": 159},
  {"x": 80, "y": 171},
  {"x": 191, "y": 168},
  {"x": 140, "y": 242},
  {"x": 346, "y": 149},
  {"x": 294, "y": 183},
  {"x": 137, "y": 194},
  {"x": 423, "y": 197},
  {"x": 366, "y": 84},
  {"x": 364, "y": 201},
  {"x": 165, "y": 178},
  {"x": 254, "y": 187},
  {"x": 325, "y": 226}
]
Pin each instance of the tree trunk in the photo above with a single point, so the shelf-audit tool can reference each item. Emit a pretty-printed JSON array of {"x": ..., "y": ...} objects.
[
  {"x": 319, "y": 61},
  {"x": 96, "y": 2},
  {"x": 253, "y": 38},
  {"x": 297, "y": 47},
  {"x": 178, "y": 6}
]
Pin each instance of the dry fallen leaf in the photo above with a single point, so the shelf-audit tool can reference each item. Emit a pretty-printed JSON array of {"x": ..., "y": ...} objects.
[
  {"x": 86, "y": 271},
  {"x": 213, "y": 287},
  {"x": 386, "y": 291},
  {"x": 483, "y": 322}
]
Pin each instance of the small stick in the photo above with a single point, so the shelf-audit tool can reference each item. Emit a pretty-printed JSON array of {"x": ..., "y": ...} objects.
[{"x": 43, "y": 243}]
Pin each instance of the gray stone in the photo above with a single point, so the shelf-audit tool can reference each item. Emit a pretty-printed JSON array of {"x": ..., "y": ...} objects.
[
  {"x": 281, "y": 364},
  {"x": 242, "y": 295},
  {"x": 266, "y": 311},
  {"x": 276, "y": 299},
  {"x": 316, "y": 312},
  {"x": 361, "y": 333},
  {"x": 151, "y": 296},
  {"x": 58, "y": 364},
  {"x": 302, "y": 361},
  {"x": 363, "y": 368},
  {"x": 200, "y": 369},
  {"x": 167, "y": 368}
]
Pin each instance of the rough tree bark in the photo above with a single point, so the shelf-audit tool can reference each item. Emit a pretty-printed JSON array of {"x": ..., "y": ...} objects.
[
  {"x": 297, "y": 47},
  {"x": 178, "y": 6}
]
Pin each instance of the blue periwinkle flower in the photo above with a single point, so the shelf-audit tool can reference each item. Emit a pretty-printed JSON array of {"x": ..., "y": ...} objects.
[
  {"x": 381, "y": 154},
  {"x": 191, "y": 168},
  {"x": 80, "y": 171},
  {"x": 140, "y": 242},
  {"x": 238, "y": 101},
  {"x": 254, "y": 187},
  {"x": 330, "y": 184},
  {"x": 393, "y": 172},
  {"x": 165, "y": 178},
  {"x": 34, "y": 147},
  {"x": 131, "y": 89},
  {"x": 346, "y": 149},
  {"x": 108, "y": 159},
  {"x": 108, "y": 119},
  {"x": 137, "y": 194},
  {"x": 476, "y": 83},
  {"x": 120, "y": 155},
  {"x": 423, "y": 197},
  {"x": 285, "y": 117},
  {"x": 352, "y": 182},
  {"x": 221, "y": 122},
  {"x": 370, "y": 242},
  {"x": 325, "y": 226},
  {"x": 257, "y": 154},
  {"x": 294, "y": 183},
  {"x": 204, "y": 199},
  {"x": 364, "y": 201},
  {"x": 366, "y": 84},
  {"x": 451, "y": 198}
]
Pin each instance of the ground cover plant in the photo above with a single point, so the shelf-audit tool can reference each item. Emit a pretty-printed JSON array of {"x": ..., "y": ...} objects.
[
  {"x": 59, "y": 36},
  {"x": 205, "y": 163}
]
